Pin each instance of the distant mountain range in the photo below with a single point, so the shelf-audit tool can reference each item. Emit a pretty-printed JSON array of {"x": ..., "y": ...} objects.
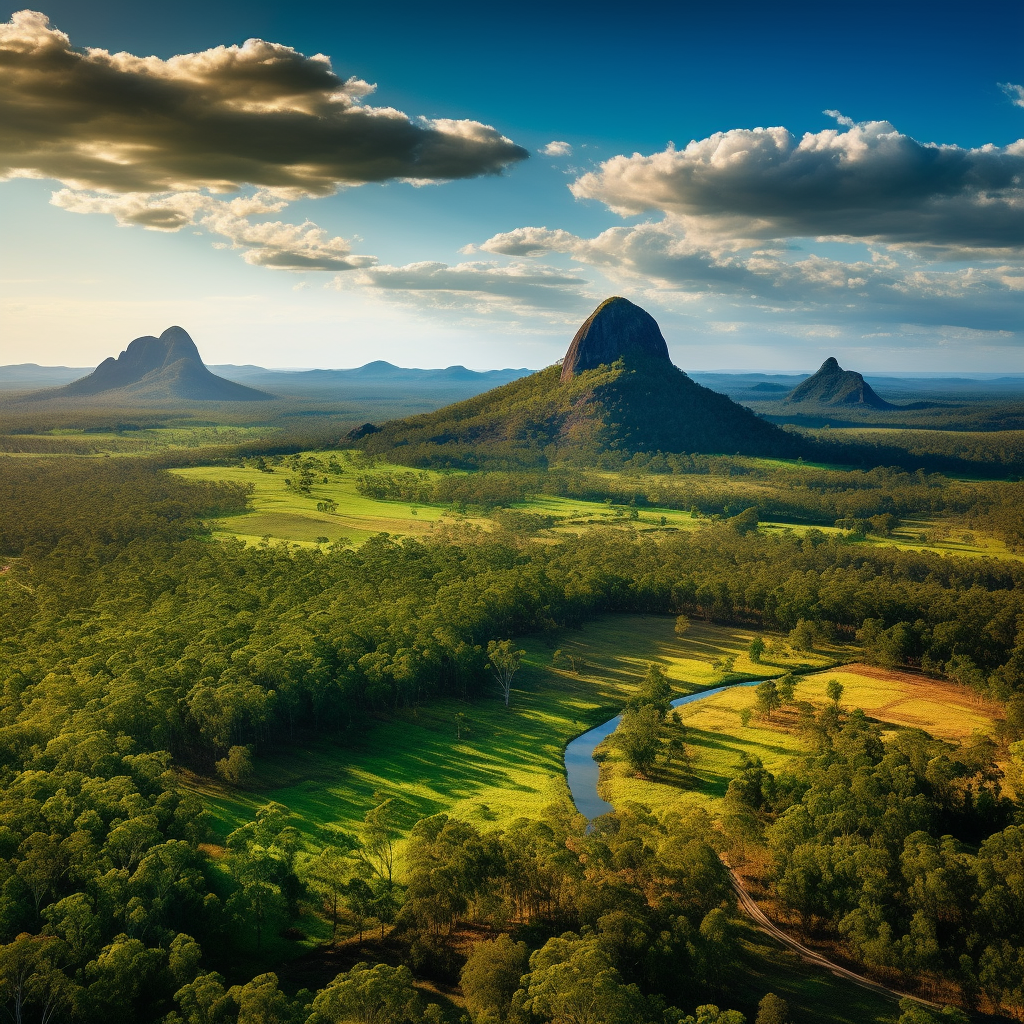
[
  {"x": 128, "y": 374},
  {"x": 370, "y": 377},
  {"x": 456, "y": 382}
]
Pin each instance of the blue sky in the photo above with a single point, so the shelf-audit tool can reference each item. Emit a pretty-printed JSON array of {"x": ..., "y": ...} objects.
[{"x": 147, "y": 192}]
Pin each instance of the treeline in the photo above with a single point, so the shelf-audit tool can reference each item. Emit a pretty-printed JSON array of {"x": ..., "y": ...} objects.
[
  {"x": 198, "y": 647},
  {"x": 103, "y": 502},
  {"x": 970, "y": 414},
  {"x": 724, "y": 486},
  {"x": 997, "y": 450},
  {"x": 901, "y": 848}
]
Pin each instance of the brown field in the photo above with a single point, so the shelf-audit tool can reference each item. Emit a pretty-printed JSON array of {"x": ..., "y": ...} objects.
[{"x": 909, "y": 699}]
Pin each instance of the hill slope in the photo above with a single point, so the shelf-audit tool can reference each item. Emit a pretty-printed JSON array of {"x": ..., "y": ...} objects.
[
  {"x": 155, "y": 369},
  {"x": 834, "y": 386},
  {"x": 636, "y": 400}
]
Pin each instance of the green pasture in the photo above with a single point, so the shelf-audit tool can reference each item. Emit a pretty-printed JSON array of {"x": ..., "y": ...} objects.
[
  {"x": 283, "y": 514},
  {"x": 508, "y": 762},
  {"x": 280, "y": 513}
]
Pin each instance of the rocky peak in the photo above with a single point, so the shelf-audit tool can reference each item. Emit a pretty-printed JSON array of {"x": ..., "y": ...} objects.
[
  {"x": 832, "y": 385},
  {"x": 617, "y": 329}
]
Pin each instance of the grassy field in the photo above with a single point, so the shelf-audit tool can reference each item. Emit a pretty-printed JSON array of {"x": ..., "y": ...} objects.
[
  {"x": 282, "y": 514},
  {"x": 507, "y": 762}
]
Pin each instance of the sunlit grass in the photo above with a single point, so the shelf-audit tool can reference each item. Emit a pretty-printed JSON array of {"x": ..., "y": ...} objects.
[
  {"x": 508, "y": 762},
  {"x": 717, "y": 738},
  {"x": 282, "y": 514}
]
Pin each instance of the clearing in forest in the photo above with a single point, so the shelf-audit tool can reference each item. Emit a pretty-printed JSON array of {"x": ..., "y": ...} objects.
[{"x": 476, "y": 759}]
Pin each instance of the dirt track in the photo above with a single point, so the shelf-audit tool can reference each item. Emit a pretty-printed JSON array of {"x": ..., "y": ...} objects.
[{"x": 754, "y": 912}]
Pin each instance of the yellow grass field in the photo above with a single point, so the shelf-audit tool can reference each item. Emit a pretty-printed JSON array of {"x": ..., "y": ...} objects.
[{"x": 717, "y": 736}]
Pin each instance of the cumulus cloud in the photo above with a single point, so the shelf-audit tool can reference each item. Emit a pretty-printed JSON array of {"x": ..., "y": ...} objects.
[
  {"x": 863, "y": 181},
  {"x": 260, "y": 114},
  {"x": 662, "y": 258},
  {"x": 481, "y": 285},
  {"x": 531, "y": 242},
  {"x": 556, "y": 149},
  {"x": 273, "y": 244},
  {"x": 1015, "y": 92}
]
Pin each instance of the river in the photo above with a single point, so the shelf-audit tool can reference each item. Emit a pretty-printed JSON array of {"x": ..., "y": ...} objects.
[{"x": 581, "y": 770}]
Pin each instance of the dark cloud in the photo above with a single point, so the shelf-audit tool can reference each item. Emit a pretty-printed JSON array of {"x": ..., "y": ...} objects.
[
  {"x": 260, "y": 113},
  {"x": 865, "y": 181}
]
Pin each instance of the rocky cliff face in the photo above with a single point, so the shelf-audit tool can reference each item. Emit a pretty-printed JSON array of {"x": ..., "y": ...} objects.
[
  {"x": 832, "y": 385},
  {"x": 157, "y": 369},
  {"x": 617, "y": 329}
]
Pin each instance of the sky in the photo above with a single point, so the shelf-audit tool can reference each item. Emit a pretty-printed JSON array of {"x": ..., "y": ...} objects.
[{"x": 321, "y": 185}]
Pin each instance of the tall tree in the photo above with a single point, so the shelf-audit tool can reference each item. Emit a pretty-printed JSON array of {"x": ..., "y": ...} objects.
[{"x": 505, "y": 661}]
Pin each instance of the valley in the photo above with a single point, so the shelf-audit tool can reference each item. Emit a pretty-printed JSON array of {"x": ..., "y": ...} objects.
[{"x": 334, "y": 666}]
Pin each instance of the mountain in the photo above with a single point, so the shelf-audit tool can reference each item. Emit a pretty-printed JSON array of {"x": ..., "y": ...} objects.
[
  {"x": 376, "y": 379},
  {"x": 617, "y": 329},
  {"x": 156, "y": 369},
  {"x": 30, "y": 376},
  {"x": 834, "y": 386},
  {"x": 616, "y": 390}
]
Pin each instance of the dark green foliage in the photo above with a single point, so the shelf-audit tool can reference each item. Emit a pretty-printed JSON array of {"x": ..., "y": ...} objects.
[
  {"x": 638, "y": 736},
  {"x": 87, "y": 503},
  {"x": 655, "y": 691},
  {"x": 901, "y": 847},
  {"x": 772, "y": 1010},
  {"x": 640, "y": 896},
  {"x": 647, "y": 407},
  {"x": 127, "y": 641},
  {"x": 767, "y": 698},
  {"x": 491, "y": 976},
  {"x": 745, "y": 522}
]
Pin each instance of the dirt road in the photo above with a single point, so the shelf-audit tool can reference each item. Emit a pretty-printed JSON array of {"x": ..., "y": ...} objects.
[{"x": 754, "y": 912}]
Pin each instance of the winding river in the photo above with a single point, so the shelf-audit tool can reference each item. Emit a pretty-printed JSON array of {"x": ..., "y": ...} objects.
[{"x": 582, "y": 770}]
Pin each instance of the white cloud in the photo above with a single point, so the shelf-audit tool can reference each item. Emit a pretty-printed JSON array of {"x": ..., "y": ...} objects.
[
  {"x": 662, "y": 258},
  {"x": 530, "y": 242},
  {"x": 260, "y": 114},
  {"x": 274, "y": 244},
  {"x": 867, "y": 181},
  {"x": 522, "y": 288},
  {"x": 556, "y": 149},
  {"x": 1015, "y": 92}
]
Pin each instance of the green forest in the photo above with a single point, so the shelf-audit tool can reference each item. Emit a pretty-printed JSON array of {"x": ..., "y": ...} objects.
[{"x": 147, "y": 664}]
